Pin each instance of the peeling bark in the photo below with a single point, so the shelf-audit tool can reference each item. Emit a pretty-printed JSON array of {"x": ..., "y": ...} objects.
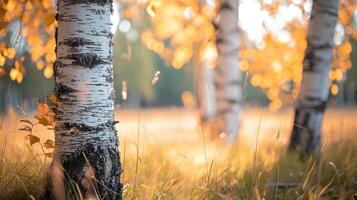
[
  {"x": 314, "y": 90},
  {"x": 228, "y": 76},
  {"x": 85, "y": 137}
]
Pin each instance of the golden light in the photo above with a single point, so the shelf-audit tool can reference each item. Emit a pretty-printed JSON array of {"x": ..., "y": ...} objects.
[
  {"x": 40, "y": 64},
  {"x": 48, "y": 72},
  {"x": 181, "y": 56},
  {"x": 11, "y": 53},
  {"x": 2, "y": 61},
  {"x": 210, "y": 53},
  {"x": 124, "y": 89},
  {"x": 275, "y": 105},
  {"x": 188, "y": 100},
  {"x": 277, "y": 66},
  {"x": 334, "y": 89}
]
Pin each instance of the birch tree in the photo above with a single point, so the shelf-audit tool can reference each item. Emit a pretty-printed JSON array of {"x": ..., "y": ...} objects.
[
  {"x": 85, "y": 138},
  {"x": 228, "y": 76},
  {"x": 205, "y": 86},
  {"x": 314, "y": 91}
]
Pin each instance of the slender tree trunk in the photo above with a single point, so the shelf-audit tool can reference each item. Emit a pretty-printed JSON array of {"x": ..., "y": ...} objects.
[
  {"x": 314, "y": 90},
  {"x": 205, "y": 92},
  {"x": 85, "y": 138},
  {"x": 205, "y": 88},
  {"x": 228, "y": 79}
]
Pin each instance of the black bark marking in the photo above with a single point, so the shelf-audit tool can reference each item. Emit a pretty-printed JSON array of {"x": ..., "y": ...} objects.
[
  {"x": 109, "y": 78},
  {"x": 231, "y": 82},
  {"x": 98, "y": 11},
  {"x": 310, "y": 58},
  {"x": 76, "y": 42},
  {"x": 62, "y": 89},
  {"x": 86, "y": 128},
  {"x": 86, "y": 60},
  {"x": 216, "y": 25},
  {"x": 223, "y": 112},
  {"x": 99, "y": 2},
  {"x": 225, "y": 6},
  {"x": 318, "y": 105},
  {"x": 58, "y": 17},
  {"x": 56, "y": 65},
  {"x": 220, "y": 40}
]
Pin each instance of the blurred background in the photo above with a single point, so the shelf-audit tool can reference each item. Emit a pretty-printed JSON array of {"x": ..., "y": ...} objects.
[{"x": 267, "y": 28}]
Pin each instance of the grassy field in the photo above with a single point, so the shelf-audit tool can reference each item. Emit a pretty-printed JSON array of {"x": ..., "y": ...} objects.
[{"x": 165, "y": 155}]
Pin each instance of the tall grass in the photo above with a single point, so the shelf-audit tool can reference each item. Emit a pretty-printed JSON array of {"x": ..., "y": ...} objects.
[{"x": 164, "y": 156}]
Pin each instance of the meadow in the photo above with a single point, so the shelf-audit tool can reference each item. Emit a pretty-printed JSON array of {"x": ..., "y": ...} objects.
[{"x": 166, "y": 155}]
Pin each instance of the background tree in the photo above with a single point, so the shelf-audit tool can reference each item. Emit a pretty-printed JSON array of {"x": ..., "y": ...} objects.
[
  {"x": 228, "y": 79},
  {"x": 86, "y": 140},
  {"x": 314, "y": 89},
  {"x": 283, "y": 40},
  {"x": 205, "y": 88}
]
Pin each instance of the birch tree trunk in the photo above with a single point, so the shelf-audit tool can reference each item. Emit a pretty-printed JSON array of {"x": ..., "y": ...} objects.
[
  {"x": 205, "y": 92},
  {"x": 228, "y": 76},
  {"x": 85, "y": 138},
  {"x": 205, "y": 88},
  {"x": 314, "y": 90}
]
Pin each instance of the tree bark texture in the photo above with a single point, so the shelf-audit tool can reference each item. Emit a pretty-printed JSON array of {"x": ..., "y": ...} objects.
[
  {"x": 314, "y": 90},
  {"x": 86, "y": 142},
  {"x": 228, "y": 79}
]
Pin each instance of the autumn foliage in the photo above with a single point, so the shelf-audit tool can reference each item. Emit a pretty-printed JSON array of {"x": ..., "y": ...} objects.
[{"x": 184, "y": 30}]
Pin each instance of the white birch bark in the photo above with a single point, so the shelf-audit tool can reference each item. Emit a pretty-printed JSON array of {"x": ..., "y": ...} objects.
[
  {"x": 314, "y": 89},
  {"x": 205, "y": 92},
  {"x": 84, "y": 87},
  {"x": 228, "y": 76}
]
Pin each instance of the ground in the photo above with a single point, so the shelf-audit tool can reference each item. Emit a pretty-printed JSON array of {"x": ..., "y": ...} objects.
[{"x": 165, "y": 155}]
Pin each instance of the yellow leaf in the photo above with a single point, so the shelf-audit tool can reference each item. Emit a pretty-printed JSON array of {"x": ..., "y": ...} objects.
[
  {"x": 13, "y": 73},
  {"x": 53, "y": 99},
  {"x": 151, "y": 10},
  {"x": 50, "y": 18},
  {"x": 43, "y": 108}
]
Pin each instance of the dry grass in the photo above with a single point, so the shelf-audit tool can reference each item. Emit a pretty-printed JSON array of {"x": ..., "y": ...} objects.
[{"x": 165, "y": 156}]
